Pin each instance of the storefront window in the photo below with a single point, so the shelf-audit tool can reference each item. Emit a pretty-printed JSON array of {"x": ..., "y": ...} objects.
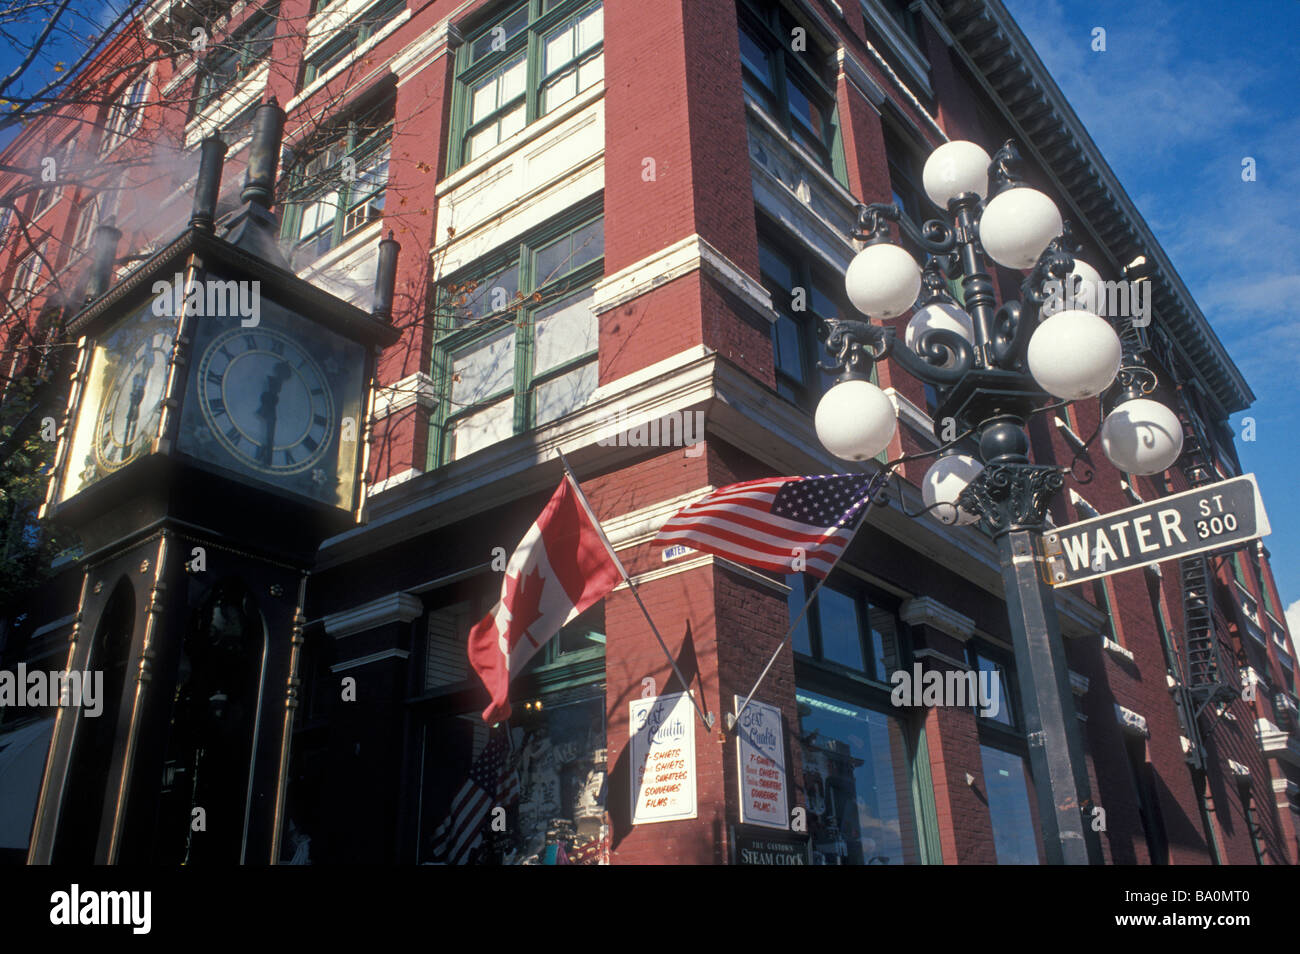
[
  {"x": 544, "y": 767},
  {"x": 1006, "y": 787},
  {"x": 856, "y": 780}
]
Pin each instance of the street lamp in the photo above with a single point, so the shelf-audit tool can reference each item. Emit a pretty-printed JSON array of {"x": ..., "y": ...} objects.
[{"x": 994, "y": 367}]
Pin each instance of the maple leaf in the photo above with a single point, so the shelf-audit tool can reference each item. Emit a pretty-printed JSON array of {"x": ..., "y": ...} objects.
[{"x": 524, "y": 596}]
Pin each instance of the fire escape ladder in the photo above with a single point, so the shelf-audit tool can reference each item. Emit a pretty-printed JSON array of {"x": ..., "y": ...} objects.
[{"x": 1208, "y": 681}]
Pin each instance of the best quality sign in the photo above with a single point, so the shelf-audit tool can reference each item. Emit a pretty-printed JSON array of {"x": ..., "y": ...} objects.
[
  {"x": 663, "y": 759},
  {"x": 760, "y": 747}
]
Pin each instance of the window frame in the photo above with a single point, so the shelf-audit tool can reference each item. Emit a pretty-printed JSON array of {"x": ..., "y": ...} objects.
[
  {"x": 453, "y": 336},
  {"x": 240, "y": 47},
  {"x": 769, "y": 25},
  {"x": 807, "y": 274},
  {"x": 364, "y": 137},
  {"x": 125, "y": 114},
  {"x": 469, "y": 71},
  {"x": 351, "y": 36}
]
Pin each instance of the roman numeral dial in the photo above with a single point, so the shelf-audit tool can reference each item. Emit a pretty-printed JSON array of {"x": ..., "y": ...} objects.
[
  {"x": 266, "y": 401},
  {"x": 128, "y": 416}
]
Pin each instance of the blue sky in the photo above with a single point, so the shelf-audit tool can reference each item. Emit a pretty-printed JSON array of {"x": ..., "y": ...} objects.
[{"x": 1183, "y": 92}]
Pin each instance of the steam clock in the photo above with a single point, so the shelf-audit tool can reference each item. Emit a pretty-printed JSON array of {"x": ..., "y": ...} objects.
[{"x": 215, "y": 433}]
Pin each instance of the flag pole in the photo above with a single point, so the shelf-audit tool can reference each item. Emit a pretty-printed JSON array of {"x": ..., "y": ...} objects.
[
  {"x": 707, "y": 719},
  {"x": 873, "y": 488}
]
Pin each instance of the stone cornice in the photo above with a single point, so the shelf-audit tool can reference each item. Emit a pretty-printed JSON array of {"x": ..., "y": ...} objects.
[
  {"x": 417, "y": 388},
  {"x": 393, "y": 608},
  {"x": 1131, "y": 722},
  {"x": 681, "y": 258},
  {"x": 927, "y": 611}
]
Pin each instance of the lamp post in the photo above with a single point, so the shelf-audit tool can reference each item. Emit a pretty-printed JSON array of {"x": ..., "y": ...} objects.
[{"x": 995, "y": 366}]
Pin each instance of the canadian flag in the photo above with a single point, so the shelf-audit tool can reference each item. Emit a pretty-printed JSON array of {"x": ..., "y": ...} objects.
[{"x": 560, "y": 567}]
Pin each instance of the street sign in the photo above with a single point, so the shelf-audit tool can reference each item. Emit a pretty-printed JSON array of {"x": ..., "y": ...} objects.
[{"x": 1207, "y": 518}]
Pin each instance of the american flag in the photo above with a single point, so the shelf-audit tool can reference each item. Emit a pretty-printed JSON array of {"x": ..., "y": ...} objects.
[
  {"x": 768, "y": 523},
  {"x": 493, "y": 781}
]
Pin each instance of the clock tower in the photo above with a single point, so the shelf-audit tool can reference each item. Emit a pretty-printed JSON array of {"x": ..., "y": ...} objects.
[{"x": 215, "y": 433}]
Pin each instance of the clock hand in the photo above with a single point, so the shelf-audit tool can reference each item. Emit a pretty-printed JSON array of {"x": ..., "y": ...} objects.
[
  {"x": 267, "y": 411},
  {"x": 137, "y": 395}
]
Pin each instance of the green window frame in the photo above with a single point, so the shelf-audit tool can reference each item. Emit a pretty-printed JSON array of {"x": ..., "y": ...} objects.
[
  {"x": 516, "y": 341},
  {"x": 519, "y": 66},
  {"x": 234, "y": 57},
  {"x": 804, "y": 296},
  {"x": 338, "y": 184},
  {"x": 850, "y": 631},
  {"x": 824, "y": 666},
  {"x": 351, "y": 36},
  {"x": 793, "y": 87},
  {"x": 983, "y": 658}
]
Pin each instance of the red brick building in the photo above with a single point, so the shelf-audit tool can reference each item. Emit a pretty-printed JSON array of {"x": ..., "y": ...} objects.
[{"x": 618, "y": 213}]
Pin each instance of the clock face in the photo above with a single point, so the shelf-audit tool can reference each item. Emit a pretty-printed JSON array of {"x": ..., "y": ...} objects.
[
  {"x": 129, "y": 411},
  {"x": 121, "y": 401},
  {"x": 266, "y": 400},
  {"x": 279, "y": 404}
]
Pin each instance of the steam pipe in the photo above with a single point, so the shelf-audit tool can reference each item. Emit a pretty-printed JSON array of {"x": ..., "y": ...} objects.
[
  {"x": 212, "y": 154},
  {"x": 386, "y": 278},
  {"x": 264, "y": 155}
]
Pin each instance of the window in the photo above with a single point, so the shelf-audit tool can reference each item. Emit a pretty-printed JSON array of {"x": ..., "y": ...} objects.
[
  {"x": 905, "y": 178},
  {"x": 907, "y": 19},
  {"x": 339, "y": 185},
  {"x": 235, "y": 57},
  {"x": 1006, "y": 787},
  {"x": 551, "y": 777},
  {"x": 1252, "y": 826},
  {"x": 1143, "y": 775},
  {"x": 124, "y": 116},
  {"x": 519, "y": 67},
  {"x": 27, "y": 277},
  {"x": 1000, "y": 679},
  {"x": 857, "y": 782},
  {"x": 517, "y": 338},
  {"x": 803, "y": 298},
  {"x": 791, "y": 86},
  {"x": 846, "y": 629},
  {"x": 87, "y": 220},
  {"x": 358, "y": 31},
  {"x": 51, "y": 193}
]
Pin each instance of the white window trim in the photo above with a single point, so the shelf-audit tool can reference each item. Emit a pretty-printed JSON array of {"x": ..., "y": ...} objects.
[
  {"x": 909, "y": 54},
  {"x": 348, "y": 61},
  {"x": 228, "y": 105}
]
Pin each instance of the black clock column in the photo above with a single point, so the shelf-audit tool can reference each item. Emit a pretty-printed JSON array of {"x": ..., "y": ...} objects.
[{"x": 205, "y": 454}]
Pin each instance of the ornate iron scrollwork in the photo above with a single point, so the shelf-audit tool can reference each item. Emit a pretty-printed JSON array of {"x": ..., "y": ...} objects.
[{"x": 1012, "y": 496}]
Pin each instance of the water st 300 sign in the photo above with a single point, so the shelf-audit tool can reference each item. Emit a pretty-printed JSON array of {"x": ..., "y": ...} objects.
[{"x": 1207, "y": 518}]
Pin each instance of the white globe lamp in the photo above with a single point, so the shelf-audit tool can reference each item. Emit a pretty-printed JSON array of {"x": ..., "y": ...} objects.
[
  {"x": 944, "y": 483},
  {"x": 883, "y": 281},
  {"x": 1142, "y": 437},
  {"x": 1084, "y": 295},
  {"x": 940, "y": 316},
  {"x": 955, "y": 168},
  {"x": 1074, "y": 354},
  {"x": 855, "y": 420},
  {"x": 1017, "y": 225}
]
